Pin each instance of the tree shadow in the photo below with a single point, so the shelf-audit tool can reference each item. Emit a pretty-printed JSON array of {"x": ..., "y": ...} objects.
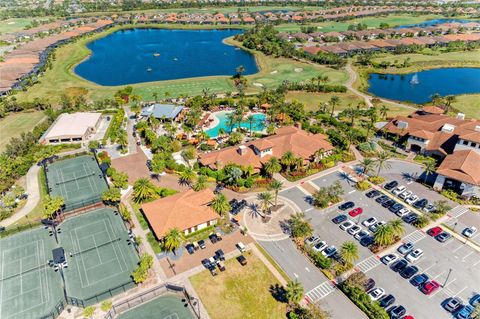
[
  {"x": 346, "y": 178},
  {"x": 254, "y": 211},
  {"x": 279, "y": 293}
]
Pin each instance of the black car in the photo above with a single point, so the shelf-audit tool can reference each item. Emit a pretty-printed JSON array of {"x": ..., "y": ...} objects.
[
  {"x": 395, "y": 208},
  {"x": 369, "y": 284},
  {"x": 213, "y": 238},
  {"x": 372, "y": 193},
  {"x": 339, "y": 219},
  {"x": 419, "y": 280},
  {"x": 220, "y": 255},
  {"x": 190, "y": 248},
  {"x": 421, "y": 203},
  {"x": 382, "y": 199},
  {"x": 367, "y": 241},
  {"x": 408, "y": 272},
  {"x": 388, "y": 203},
  {"x": 390, "y": 185},
  {"x": 399, "y": 265},
  {"x": 201, "y": 243},
  {"x": 397, "y": 312},
  {"x": 346, "y": 205},
  {"x": 206, "y": 263},
  {"x": 149, "y": 165},
  {"x": 410, "y": 218},
  {"x": 443, "y": 237},
  {"x": 387, "y": 301}
]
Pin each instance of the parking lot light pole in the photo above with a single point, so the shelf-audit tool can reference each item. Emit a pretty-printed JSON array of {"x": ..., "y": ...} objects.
[{"x": 448, "y": 276}]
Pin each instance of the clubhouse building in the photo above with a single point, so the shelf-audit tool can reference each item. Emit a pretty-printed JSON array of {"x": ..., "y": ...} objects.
[
  {"x": 163, "y": 112},
  {"x": 72, "y": 128}
]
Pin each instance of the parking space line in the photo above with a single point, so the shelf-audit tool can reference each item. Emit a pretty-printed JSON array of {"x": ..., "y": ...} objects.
[
  {"x": 458, "y": 248},
  {"x": 439, "y": 274},
  {"x": 478, "y": 262},
  {"x": 462, "y": 290},
  {"x": 466, "y": 256}
]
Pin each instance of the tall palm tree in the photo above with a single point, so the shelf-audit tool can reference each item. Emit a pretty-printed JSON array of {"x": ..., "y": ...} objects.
[
  {"x": 275, "y": 186},
  {"x": 382, "y": 162},
  {"x": 288, "y": 159},
  {"x": 334, "y": 101},
  {"x": 349, "y": 252},
  {"x": 430, "y": 167},
  {"x": 272, "y": 166},
  {"x": 143, "y": 190},
  {"x": 221, "y": 205},
  {"x": 294, "y": 292},
  {"x": 265, "y": 199},
  {"x": 397, "y": 226},
  {"x": 366, "y": 164},
  {"x": 173, "y": 239},
  {"x": 187, "y": 176},
  {"x": 384, "y": 235},
  {"x": 449, "y": 99},
  {"x": 221, "y": 131},
  {"x": 436, "y": 98},
  {"x": 231, "y": 120},
  {"x": 384, "y": 111},
  {"x": 251, "y": 120}
]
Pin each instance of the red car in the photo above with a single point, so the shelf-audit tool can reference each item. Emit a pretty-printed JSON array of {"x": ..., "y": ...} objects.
[
  {"x": 429, "y": 287},
  {"x": 434, "y": 231},
  {"x": 355, "y": 212},
  {"x": 408, "y": 317}
]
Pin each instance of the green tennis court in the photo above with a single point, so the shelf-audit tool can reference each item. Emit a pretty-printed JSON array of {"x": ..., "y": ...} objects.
[
  {"x": 101, "y": 261},
  {"x": 164, "y": 307},
  {"x": 78, "y": 180},
  {"x": 29, "y": 288}
]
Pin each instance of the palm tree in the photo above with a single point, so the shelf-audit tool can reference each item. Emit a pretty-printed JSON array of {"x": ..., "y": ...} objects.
[
  {"x": 221, "y": 131},
  {"x": 251, "y": 120},
  {"x": 187, "y": 176},
  {"x": 382, "y": 162},
  {"x": 449, "y": 99},
  {"x": 436, "y": 98},
  {"x": 221, "y": 205},
  {"x": 366, "y": 164},
  {"x": 349, "y": 252},
  {"x": 397, "y": 226},
  {"x": 201, "y": 183},
  {"x": 323, "y": 107},
  {"x": 294, "y": 291},
  {"x": 143, "y": 190},
  {"x": 384, "y": 235},
  {"x": 155, "y": 96},
  {"x": 334, "y": 101},
  {"x": 272, "y": 166},
  {"x": 288, "y": 159},
  {"x": 231, "y": 120},
  {"x": 430, "y": 167},
  {"x": 173, "y": 239},
  {"x": 265, "y": 198},
  {"x": 384, "y": 111},
  {"x": 275, "y": 186}
]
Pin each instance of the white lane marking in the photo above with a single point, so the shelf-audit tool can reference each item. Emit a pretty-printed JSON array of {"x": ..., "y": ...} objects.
[
  {"x": 307, "y": 210},
  {"x": 458, "y": 293},
  {"x": 466, "y": 256},
  {"x": 321, "y": 291},
  {"x": 368, "y": 264},
  {"x": 352, "y": 191},
  {"x": 296, "y": 276},
  {"x": 306, "y": 268}
]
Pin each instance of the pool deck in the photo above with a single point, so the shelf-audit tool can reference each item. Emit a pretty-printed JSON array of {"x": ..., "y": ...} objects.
[{"x": 213, "y": 116}]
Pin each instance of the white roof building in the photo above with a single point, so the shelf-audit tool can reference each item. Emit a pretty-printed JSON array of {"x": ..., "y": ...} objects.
[{"x": 68, "y": 128}]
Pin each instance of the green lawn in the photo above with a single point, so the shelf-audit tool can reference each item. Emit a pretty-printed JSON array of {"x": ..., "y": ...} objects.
[
  {"x": 468, "y": 104},
  {"x": 61, "y": 78},
  {"x": 371, "y": 22},
  {"x": 239, "y": 292},
  {"x": 16, "y": 123},
  {"x": 16, "y": 24}
]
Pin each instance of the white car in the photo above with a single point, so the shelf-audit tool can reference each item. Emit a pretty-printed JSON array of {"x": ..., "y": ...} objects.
[
  {"x": 400, "y": 189},
  {"x": 362, "y": 234},
  {"x": 469, "y": 231},
  {"x": 354, "y": 230},
  {"x": 376, "y": 293},
  {"x": 389, "y": 259},
  {"x": 429, "y": 208},
  {"x": 369, "y": 222},
  {"x": 412, "y": 199},
  {"x": 402, "y": 212},
  {"x": 320, "y": 246},
  {"x": 414, "y": 255},
  {"x": 405, "y": 195},
  {"x": 329, "y": 251},
  {"x": 311, "y": 240},
  {"x": 374, "y": 227},
  {"x": 346, "y": 225}
]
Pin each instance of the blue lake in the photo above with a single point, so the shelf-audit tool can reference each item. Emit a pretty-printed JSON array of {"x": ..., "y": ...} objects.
[
  {"x": 443, "y": 81},
  {"x": 145, "y": 55},
  {"x": 433, "y": 22}
]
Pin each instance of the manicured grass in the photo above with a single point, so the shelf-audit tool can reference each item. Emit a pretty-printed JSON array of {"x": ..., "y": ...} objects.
[
  {"x": 312, "y": 100},
  {"x": 61, "y": 77},
  {"x": 141, "y": 219},
  {"x": 153, "y": 242},
  {"x": 371, "y": 22},
  {"x": 16, "y": 24},
  {"x": 468, "y": 104},
  {"x": 16, "y": 123},
  {"x": 240, "y": 291}
]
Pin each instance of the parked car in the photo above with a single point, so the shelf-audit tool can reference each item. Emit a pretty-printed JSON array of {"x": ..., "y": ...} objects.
[
  {"x": 242, "y": 260},
  {"x": 376, "y": 293},
  {"x": 202, "y": 244},
  {"x": 311, "y": 240},
  {"x": 329, "y": 251},
  {"x": 397, "y": 312},
  {"x": 387, "y": 301},
  {"x": 409, "y": 272},
  {"x": 434, "y": 231},
  {"x": 421, "y": 203},
  {"x": 241, "y": 247},
  {"x": 355, "y": 212},
  {"x": 399, "y": 265},
  {"x": 190, "y": 248},
  {"x": 453, "y": 304},
  {"x": 367, "y": 241},
  {"x": 400, "y": 189},
  {"x": 369, "y": 221},
  {"x": 390, "y": 258},
  {"x": 346, "y": 225},
  {"x": 388, "y": 203},
  {"x": 354, "y": 230},
  {"x": 362, "y": 234},
  {"x": 346, "y": 205},
  {"x": 469, "y": 231},
  {"x": 403, "y": 212},
  {"x": 443, "y": 237},
  {"x": 390, "y": 185},
  {"x": 429, "y": 208},
  {"x": 374, "y": 227},
  {"x": 320, "y": 246},
  {"x": 369, "y": 284},
  {"x": 213, "y": 238},
  {"x": 405, "y": 248},
  {"x": 406, "y": 194},
  {"x": 414, "y": 255},
  {"x": 382, "y": 199},
  {"x": 372, "y": 193},
  {"x": 410, "y": 218},
  {"x": 396, "y": 207},
  {"x": 464, "y": 312},
  {"x": 220, "y": 255},
  {"x": 149, "y": 165},
  {"x": 429, "y": 287},
  {"x": 412, "y": 199},
  {"x": 475, "y": 300},
  {"x": 419, "y": 280},
  {"x": 339, "y": 219}
]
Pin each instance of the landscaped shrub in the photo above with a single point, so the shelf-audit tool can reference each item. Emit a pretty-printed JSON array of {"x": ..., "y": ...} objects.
[
  {"x": 362, "y": 186},
  {"x": 318, "y": 259},
  {"x": 140, "y": 274},
  {"x": 358, "y": 296},
  {"x": 421, "y": 222},
  {"x": 376, "y": 179}
]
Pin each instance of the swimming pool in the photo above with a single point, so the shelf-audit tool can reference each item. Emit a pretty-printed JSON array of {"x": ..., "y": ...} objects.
[{"x": 257, "y": 125}]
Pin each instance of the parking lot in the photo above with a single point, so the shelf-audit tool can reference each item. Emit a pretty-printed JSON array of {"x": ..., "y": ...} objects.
[
  {"x": 452, "y": 264},
  {"x": 465, "y": 218}
]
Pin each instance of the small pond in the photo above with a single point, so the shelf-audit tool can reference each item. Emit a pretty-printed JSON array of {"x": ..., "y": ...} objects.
[
  {"x": 419, "y": 87},
  {"x": 145, "y": 55},
  {"x": 434, "y": 22}
]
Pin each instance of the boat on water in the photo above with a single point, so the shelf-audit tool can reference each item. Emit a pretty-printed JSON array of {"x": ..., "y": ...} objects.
[
  {"x": 414, "y": 79},
  {"x": 149, "y": 69},
  {"x": 156, "y": 54},
  {"x": 175, "y": 59}
]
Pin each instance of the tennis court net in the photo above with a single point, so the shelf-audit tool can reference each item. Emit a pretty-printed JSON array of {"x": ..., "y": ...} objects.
[
  {"x": 95, "y": 247},
  {"x": 74, "y": 179},
  {"x": 24, "y": 272}
]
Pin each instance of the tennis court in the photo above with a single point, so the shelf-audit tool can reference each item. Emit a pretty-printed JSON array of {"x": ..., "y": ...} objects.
[
  {"x": 29, "y": 288},
  {"x": 164, "y": 307},
  {"x": 78, "y": 180},
  {"x": 101, "y": 261}
]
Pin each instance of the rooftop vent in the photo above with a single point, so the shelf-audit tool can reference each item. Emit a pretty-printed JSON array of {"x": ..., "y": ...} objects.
[
  {"x": 461, "y": 116},
  {"x": 449, "y": 128},
  {"x": 477, "y": 128},
  {"x": 242, "y": 150},
  {"x": 402, "y": 125}
]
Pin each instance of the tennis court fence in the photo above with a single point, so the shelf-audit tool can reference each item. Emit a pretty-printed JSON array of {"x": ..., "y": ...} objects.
[
  {"x": 106, "y": 294},
  {"x": 83, "y": 204},
  {"x": 57, "y": 310},
  {"x": 151, "y": 294}
]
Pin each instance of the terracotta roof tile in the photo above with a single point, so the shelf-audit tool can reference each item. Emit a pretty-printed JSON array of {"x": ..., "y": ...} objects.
[{"x": 462, "y": 166}]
